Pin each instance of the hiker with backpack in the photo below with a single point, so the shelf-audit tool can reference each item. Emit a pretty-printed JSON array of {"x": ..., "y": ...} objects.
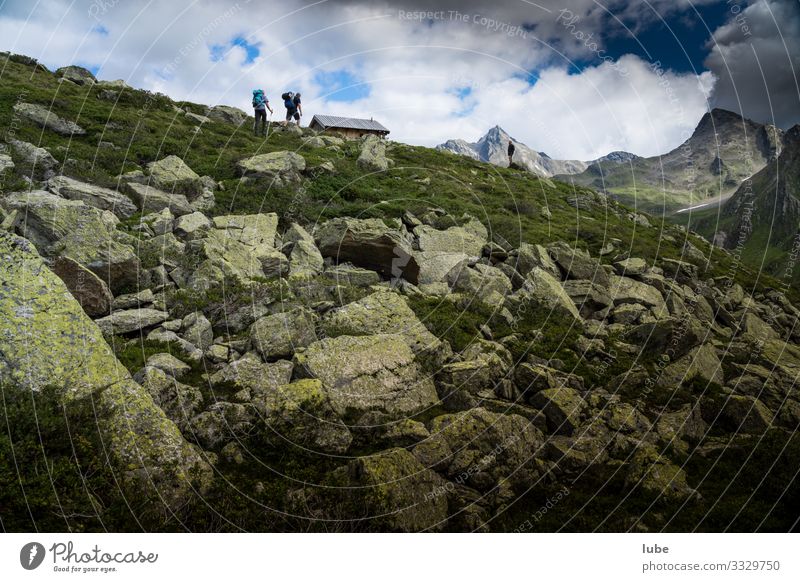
[
  {"x": 260, "y": 106},
  {"x": 511, "y": 150},
  {"x": 291, "y": 107}
]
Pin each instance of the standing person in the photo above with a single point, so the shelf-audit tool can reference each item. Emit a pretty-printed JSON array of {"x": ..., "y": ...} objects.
[
  {"x": 291, "y": 108},
  {"x": 260, "y": 106},
  {"x": 298, "y": 107},
  {"x": 511, "y": 150}
]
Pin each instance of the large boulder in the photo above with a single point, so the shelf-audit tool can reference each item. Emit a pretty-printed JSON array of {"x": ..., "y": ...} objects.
[
  {"x": 368, "y": 243},
  {"x": 37, "y": 161},
  {"x": 77, "y": 75},
  {"x": 702, "y": 362},
  {"x": 280, "y": 167},
  {"x": 44, "y": 117},
  {"x": 305, "y": 260},
  {"x": 227, "y": 114},
  {"x": 541, "y": 289},
  {"x": 373, "y": 154},
  {"x": 381, "y": 312},
  {"x": 300, "y": 413},
  {"x": 576, "y": 263},
  {"x": 564, "y": 408},
  {"x": 130, "y": 320},
  {"x": 47, "y": 340},
  {"x": 175, "y": 176},
  {"x": 455, "y": 239},
  {"x": 240, "y": 247},
  {"x": 529, "y": 256},
  {"x": 654, "y": 475},
  {"x": 96, "y": 196},
  {"x": 434, "y": 266},
  {"x": 488, "y": 448},
  {"x": 398, "y": 492},
  {"x": 150, "y": 199},
  {"x": 362, "y": 374},
  {"x": 625, "y": 290},
  {"x": 87, "y": 288},
  {"x": 280, "y": 335},
  {"x": 588, "y": 296},
  {"x": 485, "y": 283},
  {"x": 70, "y": 228}
]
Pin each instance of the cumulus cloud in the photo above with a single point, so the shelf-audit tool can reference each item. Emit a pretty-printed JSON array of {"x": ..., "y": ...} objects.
[{"x": 756, "y": 56}]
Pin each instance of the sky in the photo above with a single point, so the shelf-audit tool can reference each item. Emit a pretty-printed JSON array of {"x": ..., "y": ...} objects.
[{"x": 574, "y": 78}]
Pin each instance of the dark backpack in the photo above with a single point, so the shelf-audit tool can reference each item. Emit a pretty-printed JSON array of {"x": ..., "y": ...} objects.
[{"x": 286, "y": 96}]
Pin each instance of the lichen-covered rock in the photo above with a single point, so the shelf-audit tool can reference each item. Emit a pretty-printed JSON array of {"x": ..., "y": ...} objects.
[
  {"x": 130, "y": 320},
  {"x": 280, "y": 167},
  {"x": 542, "y": 289},
  {"x": 576, "y": 263},
  {"x": 87, "y": 288},
  {"x": 280, "y": 335},
  {"x": 368, "y": 243},
  {"x": 746, "y": 414},
  {"x": 624, "y": 290},
  {"x": 434, "y": 266},
  {"x": 37, "y": 161},
  {"x": 47, "y": 340},
  {"x": 485, "y": 283},
  {"x": 221, "y": 423},
  {"x": 488, "y": 448},
  {"x": 530, "y": 256},
  {"x": 70, "y": 228},
  {"x": 455, "y": 239},
  {"x": 197, "y": 330},
  {"x": 589, "y": 297},
  {"x": 179, "y": 402},
  {"x": 192, "y": 226},
  {"x": 381, "y": 312},
  {"x": 143, "y": 298},
  {"x": 174, "y": 176},
  {"x": 701, "y": 362},
  {"x": 654, "y": 475},
  {"x": 242, "y": 248},
  {"x": 373, "y": 154},
  {"x": 563, "y": 407},
  {"x": 227, "y": 114},
  {"x": 151, "y": 199},
  {"x": 249, "y": 373},
  {"x": 360, "y": 374},
  {"x": 44, "y": 117},
  {"x": 399, "y": 493},
  {"x": 168, "y": 364},
  {"x": 77, "y": 75},
  {"x": 300, "y": 413},
  {"x": 93, "y": 195},
  {"x": 305, "y": 260}
]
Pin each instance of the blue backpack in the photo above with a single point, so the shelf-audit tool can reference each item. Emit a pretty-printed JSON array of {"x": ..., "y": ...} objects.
[{"x": 258, "y": 98}]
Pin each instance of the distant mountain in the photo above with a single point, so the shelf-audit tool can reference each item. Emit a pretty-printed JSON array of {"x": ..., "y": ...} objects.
[
  {"x": 724, "y": 149},
  {"x": 493, "y": 148},
  {"x": 762, "y": 218}
]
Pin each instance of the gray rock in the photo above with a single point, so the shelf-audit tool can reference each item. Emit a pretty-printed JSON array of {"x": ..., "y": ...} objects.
[
  {"x": 280, "y": 335},
  {"x": 44, "y": 117},
  {"x": 87, "y": 288},
  {"x": 368, "y": 243},
  {"x": 361, "y": 374},
  {"x": 170, "y": 365},
  {"x": 228, "y": 114},
  {"x": 130, "y": 320},
  {"x": 96, "y": 196},
  {"x": 174, "y": 176},
  {"x": 150, "y": 199},
  {"x": 373, "y": 155},
  {"x": 563, "y": 407},
  {"x": 280, "y": 167},
  {"x": 77, "y": 75}
]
